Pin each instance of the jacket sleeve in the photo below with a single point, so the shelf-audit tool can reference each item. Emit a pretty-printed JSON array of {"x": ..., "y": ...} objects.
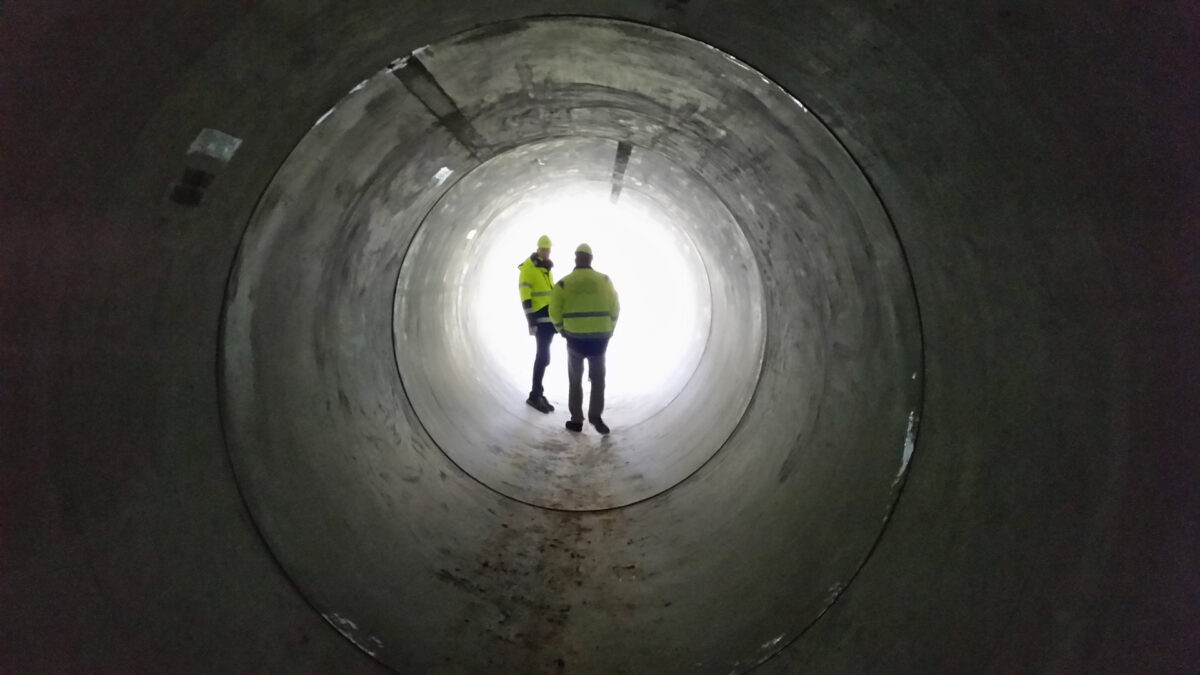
[
  {"x": 525, "y": 285},
  {"x": 614, "y": 303},
  {"x": 557, "y": 297}
]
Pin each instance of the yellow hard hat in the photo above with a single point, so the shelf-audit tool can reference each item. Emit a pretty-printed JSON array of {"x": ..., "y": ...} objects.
[
  {"x": 543, "y": 241},
  {"x": 584, "y": 248}
]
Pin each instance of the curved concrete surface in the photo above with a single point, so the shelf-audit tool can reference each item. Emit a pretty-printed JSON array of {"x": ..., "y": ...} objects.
[
  {"x": 1037, "y": 164},
  {"x": 315, "y": 415},
  {"x": 472, "y": 403}
]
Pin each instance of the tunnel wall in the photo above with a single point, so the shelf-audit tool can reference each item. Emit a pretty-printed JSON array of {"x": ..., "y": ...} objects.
[
  {"x": 352, "y": 495},
  {"x": 1038, "y": 164}
]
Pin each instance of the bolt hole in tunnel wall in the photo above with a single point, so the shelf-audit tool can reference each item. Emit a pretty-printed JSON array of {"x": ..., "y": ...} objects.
[{"x": 765, "y": 384}]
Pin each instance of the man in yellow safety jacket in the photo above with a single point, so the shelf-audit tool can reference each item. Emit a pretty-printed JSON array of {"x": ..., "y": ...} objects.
[
  {"x": 584, "y": 308},
  {"x": 536, "y": 284}
]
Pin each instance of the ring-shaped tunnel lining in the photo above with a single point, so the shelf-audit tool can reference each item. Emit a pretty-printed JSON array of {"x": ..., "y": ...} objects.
[
  {"x": 398, "y": 547},
  {"x": 456, "y": 300}
]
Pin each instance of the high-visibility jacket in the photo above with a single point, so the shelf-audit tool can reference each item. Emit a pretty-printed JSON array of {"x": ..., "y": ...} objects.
[
  {"x": 536, "y": 285},
  {"x": 585, "y": 305}
]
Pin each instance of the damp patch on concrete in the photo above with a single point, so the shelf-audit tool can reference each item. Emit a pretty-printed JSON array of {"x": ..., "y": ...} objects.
[{"x": 422, "y": 84}]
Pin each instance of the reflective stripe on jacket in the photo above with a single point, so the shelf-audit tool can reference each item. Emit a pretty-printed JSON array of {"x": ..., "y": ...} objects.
[
  {"x": 585, "y": 305},
  {"x": 536, "y": 285}
]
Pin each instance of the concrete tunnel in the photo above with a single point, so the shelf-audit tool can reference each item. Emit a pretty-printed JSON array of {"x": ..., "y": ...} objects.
[{"x": 922, "y": 375}]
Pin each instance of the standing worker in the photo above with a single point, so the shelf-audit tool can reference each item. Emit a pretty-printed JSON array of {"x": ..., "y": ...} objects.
[
  {"x": 584, "y": 309},
  {"x": 536, "y": 285}
]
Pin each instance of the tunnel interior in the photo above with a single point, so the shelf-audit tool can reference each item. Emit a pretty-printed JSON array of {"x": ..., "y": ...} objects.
[
  {"x": 805, "y": 286},
  {"x": 487, "y": 348},
  {"x": 904, "y": 379}
]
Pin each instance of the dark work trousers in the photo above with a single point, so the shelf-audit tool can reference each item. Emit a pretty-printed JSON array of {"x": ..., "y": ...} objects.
[
  {"x": 593, "y": 351},
  {"x": 545, "y": 333}
]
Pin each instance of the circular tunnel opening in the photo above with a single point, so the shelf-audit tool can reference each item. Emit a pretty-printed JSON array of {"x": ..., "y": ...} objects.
[
  {"x": 465, "y": 357},
  {"x": 378, "y": 431},
  {"x": 638, "y": 246}
]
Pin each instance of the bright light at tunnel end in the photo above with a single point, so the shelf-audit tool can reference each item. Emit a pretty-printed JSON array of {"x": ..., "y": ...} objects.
[{"x": 665, "y": 308}]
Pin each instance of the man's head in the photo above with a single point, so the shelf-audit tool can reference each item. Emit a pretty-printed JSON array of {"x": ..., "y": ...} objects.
[
  {"x": 543, "y": 249},
  {"x": 583, "y": 256}
]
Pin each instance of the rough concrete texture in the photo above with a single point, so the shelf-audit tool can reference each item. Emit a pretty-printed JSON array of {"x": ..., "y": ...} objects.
[{"x": 1037, "y": 162}]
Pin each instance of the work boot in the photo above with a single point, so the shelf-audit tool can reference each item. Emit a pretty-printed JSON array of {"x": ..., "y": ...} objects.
[
  {"x": 539, "y": 404},
  {"x": 575, "y": 426},
  {"x": 600, "y": 425}
]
